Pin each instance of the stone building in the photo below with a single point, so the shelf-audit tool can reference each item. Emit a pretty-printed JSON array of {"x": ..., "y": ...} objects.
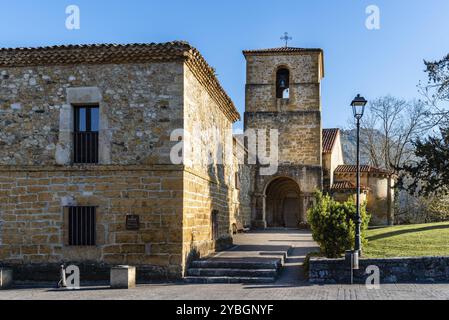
[
  {"x": 340, "y": 181},
  {"x": 377, "y": 186},
  {"x": 283, "y": 93},
  {"x": 119, "y": 154},
  {"x": 332, "y": 155},
  {"x": 85, "y": 169}
]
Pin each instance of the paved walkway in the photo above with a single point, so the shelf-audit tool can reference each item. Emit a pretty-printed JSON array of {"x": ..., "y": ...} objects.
[
  {"x": 236, "y": 292},
  {"x": 274, "y": 243},
  {"x": 290, "y": 286}
]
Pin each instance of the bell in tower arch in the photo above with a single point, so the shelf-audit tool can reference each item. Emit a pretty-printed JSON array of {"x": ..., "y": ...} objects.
[{"x": 282, "y": 83}]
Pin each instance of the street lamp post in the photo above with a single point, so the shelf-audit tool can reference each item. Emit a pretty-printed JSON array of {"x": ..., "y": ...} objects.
[{"x": 358, "y": 108}]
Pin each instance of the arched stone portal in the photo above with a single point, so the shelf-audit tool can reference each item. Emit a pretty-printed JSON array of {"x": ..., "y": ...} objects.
[{"x": 283, "y": 204}]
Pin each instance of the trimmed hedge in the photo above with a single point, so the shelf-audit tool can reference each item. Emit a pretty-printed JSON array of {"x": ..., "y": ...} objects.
[{"x": 333, "y": 225}]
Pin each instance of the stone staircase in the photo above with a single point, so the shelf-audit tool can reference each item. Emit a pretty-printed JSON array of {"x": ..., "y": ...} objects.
[{"x": 229, "y": 268}]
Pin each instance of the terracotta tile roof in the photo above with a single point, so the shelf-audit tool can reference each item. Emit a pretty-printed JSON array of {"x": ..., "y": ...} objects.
[
  {"x": 121, "y": 54},
  {"x": 363, "y": 169},
  {"x": 286, "y": 50},
  {"x": 329, "y": 138},
  {"x": 346, "y": 186},
  {"x": 93, "y": 54}
]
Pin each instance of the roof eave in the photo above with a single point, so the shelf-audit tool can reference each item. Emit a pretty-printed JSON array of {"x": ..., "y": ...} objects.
[{"x": 122, "y": 54}]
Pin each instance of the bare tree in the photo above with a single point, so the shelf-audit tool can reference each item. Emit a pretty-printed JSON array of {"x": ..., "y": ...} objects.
[
  {"x": 389, "y": 128},
  {"x": 389, "y": 132}
]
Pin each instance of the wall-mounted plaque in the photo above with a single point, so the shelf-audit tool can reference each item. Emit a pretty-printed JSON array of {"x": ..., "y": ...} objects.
[{"x": 132, "y": 222}]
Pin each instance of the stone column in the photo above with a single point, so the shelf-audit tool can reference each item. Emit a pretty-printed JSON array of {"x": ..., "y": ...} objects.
[{"x": 259, "y": 221}]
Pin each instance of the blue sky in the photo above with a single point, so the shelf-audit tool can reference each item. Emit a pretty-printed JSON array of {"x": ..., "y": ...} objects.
[{"x": 372, "y": 62}]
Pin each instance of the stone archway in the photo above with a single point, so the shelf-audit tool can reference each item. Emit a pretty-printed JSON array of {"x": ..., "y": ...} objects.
[{"x": 283, "y": 203}]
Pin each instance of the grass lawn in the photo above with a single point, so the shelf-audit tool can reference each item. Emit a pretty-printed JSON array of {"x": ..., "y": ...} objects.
[{"x": 408, "y": 241}]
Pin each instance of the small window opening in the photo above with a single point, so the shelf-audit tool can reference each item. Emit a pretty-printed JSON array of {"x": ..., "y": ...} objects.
[
  {"x": 87, "y": 122},
  {"x": 82, "y": 226}
]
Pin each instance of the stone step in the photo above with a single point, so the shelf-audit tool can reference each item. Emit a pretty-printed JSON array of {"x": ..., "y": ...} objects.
[
  {"x": 237, "y": 264},
  {"x": 244, "y": 265},
  {"x": 253, "y": 273},
  {"x": 235, "y": 280},
  {"x": 282, "y": 255}
]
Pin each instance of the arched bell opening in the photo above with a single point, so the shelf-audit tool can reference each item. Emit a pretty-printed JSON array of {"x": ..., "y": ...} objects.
[{"x": 283, "y": 83}]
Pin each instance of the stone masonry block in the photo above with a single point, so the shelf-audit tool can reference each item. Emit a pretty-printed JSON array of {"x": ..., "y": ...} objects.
[
  {"x": 123, "y": 277},
  {"x": 6, "y": 278}
]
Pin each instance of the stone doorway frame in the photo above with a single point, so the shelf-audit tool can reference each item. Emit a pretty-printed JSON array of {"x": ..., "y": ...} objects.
[
  {"x": 299, "y": 192},
  {"x": 308, "y": 178}
]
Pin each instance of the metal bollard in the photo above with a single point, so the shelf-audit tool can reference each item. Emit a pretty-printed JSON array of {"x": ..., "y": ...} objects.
[
  {"x": 355, "y": 260},
  {"x": 352, "y": 259}
]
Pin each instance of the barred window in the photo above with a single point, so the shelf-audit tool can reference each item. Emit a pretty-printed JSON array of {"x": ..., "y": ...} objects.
[
  {"x": 85, "y": 137},
  {"x": 82, "y": 224}
]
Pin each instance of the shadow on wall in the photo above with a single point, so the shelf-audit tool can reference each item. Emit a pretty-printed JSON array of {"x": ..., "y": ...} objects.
[
  {"x": 193, "y": 255},
  {"x": 206, "y": 236}
]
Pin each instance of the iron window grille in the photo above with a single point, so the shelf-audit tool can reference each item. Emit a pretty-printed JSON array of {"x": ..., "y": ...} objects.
[
  {"x": 82, "y": 226},
  {"x": 85, "y": 136}
]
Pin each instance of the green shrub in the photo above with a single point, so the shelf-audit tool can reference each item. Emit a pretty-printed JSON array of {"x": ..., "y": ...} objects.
[{"x": 333, "y": 226}]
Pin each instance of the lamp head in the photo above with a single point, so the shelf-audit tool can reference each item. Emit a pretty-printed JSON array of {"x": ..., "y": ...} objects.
[{"x": 358, "y": 106}]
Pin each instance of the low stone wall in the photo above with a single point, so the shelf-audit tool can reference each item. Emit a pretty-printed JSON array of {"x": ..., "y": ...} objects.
[
  {"x": 392, "y": 270},
  {"x": 89, "y": 272}
]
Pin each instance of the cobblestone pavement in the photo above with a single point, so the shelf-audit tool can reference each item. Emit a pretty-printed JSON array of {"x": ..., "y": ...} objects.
[
  {"x": 237, "y": 292},
  {"x": 290, "y": 286}
]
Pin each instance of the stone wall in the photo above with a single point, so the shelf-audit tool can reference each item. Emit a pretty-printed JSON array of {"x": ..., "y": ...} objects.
[
  {"x": 210, "y": 172},
  {"x": 33, "y": 228},
  {"x": 380, "y": 197},
  {"x": 331, "y": 161},
  {"x": 299, "y": 134},
  {"x": 305, "y": 75},
  {"x": 202, "y": 196},
  {"x": 244, "y": 188},
  {"x": 298, "y": 121},
  {"x": 139, "y": 104},
  {"x": 392, "y": 270}
]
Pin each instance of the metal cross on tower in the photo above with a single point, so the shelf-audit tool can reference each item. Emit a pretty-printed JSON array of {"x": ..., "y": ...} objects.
[{"x": 286, "y": 38}]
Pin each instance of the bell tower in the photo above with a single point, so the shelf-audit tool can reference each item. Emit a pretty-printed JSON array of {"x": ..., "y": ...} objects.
[{"x": 283, "y": 93}]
